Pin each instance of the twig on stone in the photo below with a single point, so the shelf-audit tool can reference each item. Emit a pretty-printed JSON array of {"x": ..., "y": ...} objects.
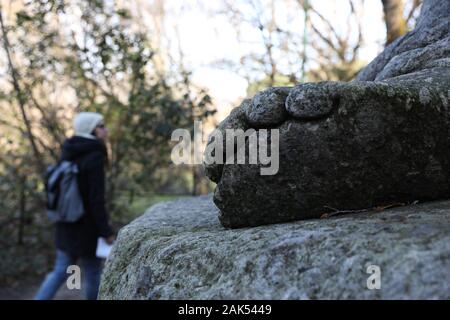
[
  {"x": 377, "y": 208},
  {"x": 397, "y": 204},
  {"x": 337, "y": 212}
]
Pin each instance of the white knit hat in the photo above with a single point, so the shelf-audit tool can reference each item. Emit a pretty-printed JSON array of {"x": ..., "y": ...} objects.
[{"x": 85, "y": 122}]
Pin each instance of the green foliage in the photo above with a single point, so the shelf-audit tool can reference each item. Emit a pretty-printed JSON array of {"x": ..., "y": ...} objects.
[
  {"x": 109, "y": 66},
  {"x": 336, "y": 72},
  {"x": 280, "y": 81}
]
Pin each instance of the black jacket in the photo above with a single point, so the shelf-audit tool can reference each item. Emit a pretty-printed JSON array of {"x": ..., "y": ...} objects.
[{"x": 80, "y": 238}]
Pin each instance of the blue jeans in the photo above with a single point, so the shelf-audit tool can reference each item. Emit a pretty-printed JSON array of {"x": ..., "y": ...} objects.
[{"x": 54, "y": 280}]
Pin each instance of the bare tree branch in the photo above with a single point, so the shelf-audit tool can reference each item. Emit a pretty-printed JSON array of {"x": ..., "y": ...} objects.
[
  {"x": 416, "y": 4},
  {"x": 20, "y": 95}
]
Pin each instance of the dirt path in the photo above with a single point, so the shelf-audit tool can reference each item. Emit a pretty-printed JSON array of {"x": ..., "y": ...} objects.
[{"x": 27, "y": 292}]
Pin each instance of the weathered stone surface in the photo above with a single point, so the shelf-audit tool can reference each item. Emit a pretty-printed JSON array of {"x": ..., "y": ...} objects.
[
  {"x": 433, "y": 25},
  {"x": 178, "y": 250},
  {"x": 235, "y": 120},
  {"x": 267, "y": 107},
  {"x": 382, "y": 144},
  {"x": 312, "y": 100},
  {"x": 383, "y": 138},
  {"x": 417, "y": 59}
]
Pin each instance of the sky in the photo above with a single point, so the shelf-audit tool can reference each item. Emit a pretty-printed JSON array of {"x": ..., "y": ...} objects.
[{"x": 205, "y": 38}]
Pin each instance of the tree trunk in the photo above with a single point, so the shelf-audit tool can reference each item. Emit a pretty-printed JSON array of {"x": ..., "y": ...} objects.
[{"x": 395, "y": 22}]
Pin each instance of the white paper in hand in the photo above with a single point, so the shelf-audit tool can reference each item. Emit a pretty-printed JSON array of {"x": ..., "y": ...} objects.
[{"x": 103, "y": 248}]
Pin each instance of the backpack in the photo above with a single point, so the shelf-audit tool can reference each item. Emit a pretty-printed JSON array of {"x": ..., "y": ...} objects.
[{"x": 64, "y": 202}]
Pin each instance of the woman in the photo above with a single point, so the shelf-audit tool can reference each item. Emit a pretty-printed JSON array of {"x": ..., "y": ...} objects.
[{"x": 78, "y": 240}]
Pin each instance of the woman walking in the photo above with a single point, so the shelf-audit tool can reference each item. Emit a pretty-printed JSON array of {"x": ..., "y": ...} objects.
[{"x": 78, "y": 240}]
